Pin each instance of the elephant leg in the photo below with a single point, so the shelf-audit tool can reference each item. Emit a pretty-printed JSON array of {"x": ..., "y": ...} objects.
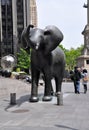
[
  {"x": 58, "y": 81},
  {"x": 48, "y": 86},
  {"x": 59, "y": 76},
  {"x": 34, "y": 87},
  {"x": 52, "y": 91}
]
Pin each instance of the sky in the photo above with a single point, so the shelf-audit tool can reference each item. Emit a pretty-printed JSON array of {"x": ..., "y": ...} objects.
[{"x": 68, "y": 15}]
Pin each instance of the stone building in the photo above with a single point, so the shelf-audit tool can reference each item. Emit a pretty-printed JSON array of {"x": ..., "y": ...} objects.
[
  {"x": 33, "y": 13},
  {"x": 15, "y": 15},
  {"x": 83, "y": 60}
]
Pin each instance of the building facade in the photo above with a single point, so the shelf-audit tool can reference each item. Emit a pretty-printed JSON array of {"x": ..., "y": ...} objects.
[
  {"x": 33, "y": 13},
  {"x": 83, "y": 60},
  {"x": 15, "y": 15}
]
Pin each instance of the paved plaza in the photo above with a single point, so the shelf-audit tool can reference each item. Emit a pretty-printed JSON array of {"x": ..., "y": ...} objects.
[{"x": 72, "y": 115}]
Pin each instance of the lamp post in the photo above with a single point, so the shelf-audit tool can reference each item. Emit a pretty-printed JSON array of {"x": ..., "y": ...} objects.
[
  {"x": 6, "y": 40},
  {"x": 0, "y": 32}
]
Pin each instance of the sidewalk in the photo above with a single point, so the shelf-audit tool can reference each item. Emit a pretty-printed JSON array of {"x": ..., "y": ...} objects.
[{"x": 73, "y": 115}]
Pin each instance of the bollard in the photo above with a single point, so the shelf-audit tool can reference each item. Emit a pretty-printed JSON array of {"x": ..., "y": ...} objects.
[
  {"x": 59, "y": 98},
  {"x": 12, "y": 98}
]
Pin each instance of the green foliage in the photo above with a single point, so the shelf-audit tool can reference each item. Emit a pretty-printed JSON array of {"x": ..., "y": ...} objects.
[
  {"x": 71, "y": 56},
  {"x": 23, "y": 59},
  {"x": 61, "y": 46}
]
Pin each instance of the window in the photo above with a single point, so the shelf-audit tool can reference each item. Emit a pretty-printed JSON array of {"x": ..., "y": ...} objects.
[{"x": 87, "y": 61}]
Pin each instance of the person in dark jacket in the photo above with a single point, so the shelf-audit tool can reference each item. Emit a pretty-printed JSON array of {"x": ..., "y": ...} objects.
[{"x": 77, "y": 77}]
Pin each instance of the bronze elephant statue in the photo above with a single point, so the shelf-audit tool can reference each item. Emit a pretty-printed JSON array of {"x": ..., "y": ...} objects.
[{"x": 46, "y": 58}]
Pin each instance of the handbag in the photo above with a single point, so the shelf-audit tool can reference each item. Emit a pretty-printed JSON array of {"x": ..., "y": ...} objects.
[{"x": 85, "y": 78}]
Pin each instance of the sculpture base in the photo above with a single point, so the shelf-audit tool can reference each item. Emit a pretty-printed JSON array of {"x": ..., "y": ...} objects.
[{"x": 47, "y": 98}]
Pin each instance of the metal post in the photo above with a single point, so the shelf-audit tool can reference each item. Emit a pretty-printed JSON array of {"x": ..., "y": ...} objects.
[
  {"x": 59, "y": 98},
  {"x": 12, "y": 98}
]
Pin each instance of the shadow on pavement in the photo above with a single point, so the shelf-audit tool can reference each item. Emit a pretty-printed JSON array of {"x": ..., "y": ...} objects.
[
  {"x": 19, "y": 101},
  {"x": 66, "y": 127}
]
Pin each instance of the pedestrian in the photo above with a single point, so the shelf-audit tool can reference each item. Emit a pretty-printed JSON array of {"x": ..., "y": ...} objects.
[
  {"x": 77, "y": 77},
  {"x": 72, "y": 78},
  {"x": 85, "y": 80}
]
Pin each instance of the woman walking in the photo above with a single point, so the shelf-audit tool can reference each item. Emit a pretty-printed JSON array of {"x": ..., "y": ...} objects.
[{"x": 85, "y": 80}]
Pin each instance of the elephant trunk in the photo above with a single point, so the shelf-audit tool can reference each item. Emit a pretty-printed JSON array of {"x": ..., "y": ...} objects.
[{"x": 25, "y": 37}]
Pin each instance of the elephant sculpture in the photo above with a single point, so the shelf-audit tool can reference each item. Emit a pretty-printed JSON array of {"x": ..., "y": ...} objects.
[{"x": 46, "y": 57}]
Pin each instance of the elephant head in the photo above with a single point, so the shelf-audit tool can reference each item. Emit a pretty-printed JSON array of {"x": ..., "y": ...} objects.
[
  {"x": 47, "y": 39},
  {"x": 36, "y": 38}
]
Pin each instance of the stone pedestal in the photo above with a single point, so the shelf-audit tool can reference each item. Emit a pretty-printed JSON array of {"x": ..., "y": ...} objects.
[{"x": 83, "y": 61}]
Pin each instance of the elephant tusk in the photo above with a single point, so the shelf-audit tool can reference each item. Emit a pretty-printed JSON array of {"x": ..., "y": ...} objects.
[{"x": 37, "y": 46}]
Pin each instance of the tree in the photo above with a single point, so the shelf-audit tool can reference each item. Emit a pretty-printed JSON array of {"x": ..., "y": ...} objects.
[
  {"x": 71, "y": 56},
  {"x": 23, "y": 60}
]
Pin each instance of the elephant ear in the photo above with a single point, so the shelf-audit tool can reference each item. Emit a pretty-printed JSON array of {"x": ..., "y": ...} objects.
[
  {"x": 53, "y": 36},
  {"x": 25, "y": 37}
]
